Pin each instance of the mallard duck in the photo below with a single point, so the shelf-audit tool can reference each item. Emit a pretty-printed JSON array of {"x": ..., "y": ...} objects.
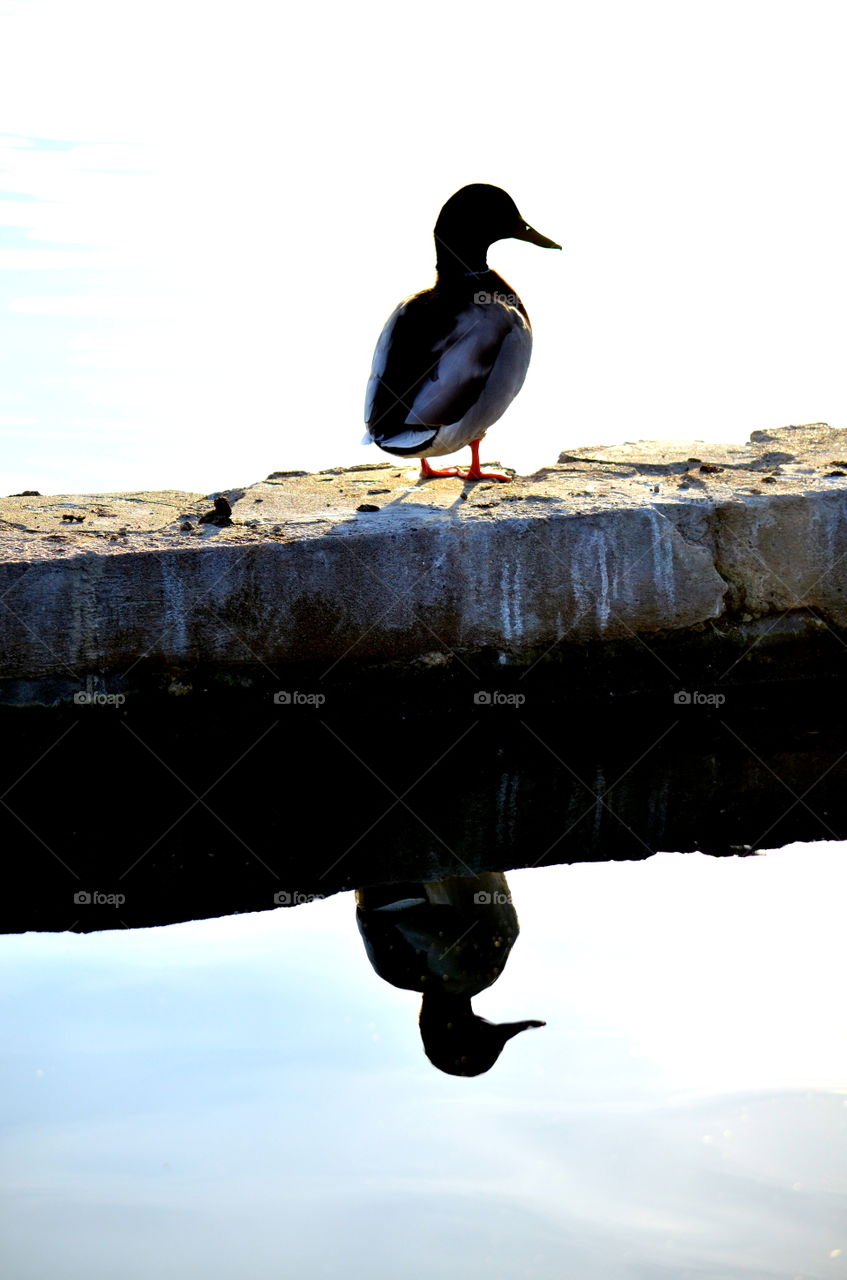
[
  {"x": 448, "y": 939},
  {"x": 450, "y": 360}
]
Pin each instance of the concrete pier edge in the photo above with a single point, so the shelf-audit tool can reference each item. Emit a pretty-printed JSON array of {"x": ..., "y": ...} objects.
[{"x": 613, "y": 569}]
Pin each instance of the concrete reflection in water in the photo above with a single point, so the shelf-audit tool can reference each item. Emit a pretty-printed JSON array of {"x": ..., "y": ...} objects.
[{"x": 448, "y": 939}]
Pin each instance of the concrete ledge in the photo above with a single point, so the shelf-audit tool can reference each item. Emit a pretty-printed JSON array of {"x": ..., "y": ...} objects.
[{"x": 349, "y": 568}]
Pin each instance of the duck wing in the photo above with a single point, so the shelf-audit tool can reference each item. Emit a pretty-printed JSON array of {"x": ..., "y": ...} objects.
[{"x": 431, "y": 365}]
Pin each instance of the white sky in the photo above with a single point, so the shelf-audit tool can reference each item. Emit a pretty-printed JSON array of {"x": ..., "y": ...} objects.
[{"x": 192, "y": 285}]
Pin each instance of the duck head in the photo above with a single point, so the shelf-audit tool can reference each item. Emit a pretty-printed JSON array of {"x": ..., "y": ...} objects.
[
  {"x": 474, "y": 218},
  {"x": 459, "y": 1042}
]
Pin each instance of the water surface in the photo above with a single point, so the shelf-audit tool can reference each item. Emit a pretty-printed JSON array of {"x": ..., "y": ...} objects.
[{"x": 244, "y": 1096}]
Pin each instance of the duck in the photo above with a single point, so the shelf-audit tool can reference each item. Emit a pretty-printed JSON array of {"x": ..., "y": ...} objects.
[
  {"x": 449, "y": 940},
  {"x": 451, "y": 359}
]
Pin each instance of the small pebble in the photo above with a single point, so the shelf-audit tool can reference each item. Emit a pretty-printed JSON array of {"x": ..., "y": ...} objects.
[{"x": 367, "y": 506}]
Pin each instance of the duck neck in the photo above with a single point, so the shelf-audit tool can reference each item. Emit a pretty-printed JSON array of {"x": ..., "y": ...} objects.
[
  {"x": 445, "y": 1006},
  {"x": 458, "y": 256}
]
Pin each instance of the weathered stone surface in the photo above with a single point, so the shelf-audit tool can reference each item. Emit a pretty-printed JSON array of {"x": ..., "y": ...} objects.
[{"x": 609, "y": 544}]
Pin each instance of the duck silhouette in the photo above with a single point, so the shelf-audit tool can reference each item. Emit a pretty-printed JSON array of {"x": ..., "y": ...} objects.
[
  {"x": 448, "y": 939},
  {"x": 451, "y": 359}
]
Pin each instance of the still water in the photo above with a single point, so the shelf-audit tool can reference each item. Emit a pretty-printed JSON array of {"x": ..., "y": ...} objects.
[{"x": 246, "y": 1096}]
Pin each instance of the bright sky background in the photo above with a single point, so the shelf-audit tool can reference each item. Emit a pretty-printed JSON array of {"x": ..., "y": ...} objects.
[{"x": 208, "y": 211}]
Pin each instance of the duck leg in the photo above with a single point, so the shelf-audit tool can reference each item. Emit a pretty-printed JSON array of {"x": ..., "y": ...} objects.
[
  {"x": 427, "y": 472},
  {"x": 473, "y": 472}
]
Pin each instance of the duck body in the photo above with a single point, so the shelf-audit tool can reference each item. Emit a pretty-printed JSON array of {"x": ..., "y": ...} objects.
[
  {"x": 460, "y": 354},
  {"x": 451, "y": 359},
  {"x": 439, "y": 935}
]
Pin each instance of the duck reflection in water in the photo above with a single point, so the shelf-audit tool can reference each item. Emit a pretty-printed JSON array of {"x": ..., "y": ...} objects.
[{"x": 449, "y": 939}]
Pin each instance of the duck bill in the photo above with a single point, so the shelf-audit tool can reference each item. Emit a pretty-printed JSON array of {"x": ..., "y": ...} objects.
[
  {"x": 526, "y": 232},
  {"x": 509, "y": 1029}
]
